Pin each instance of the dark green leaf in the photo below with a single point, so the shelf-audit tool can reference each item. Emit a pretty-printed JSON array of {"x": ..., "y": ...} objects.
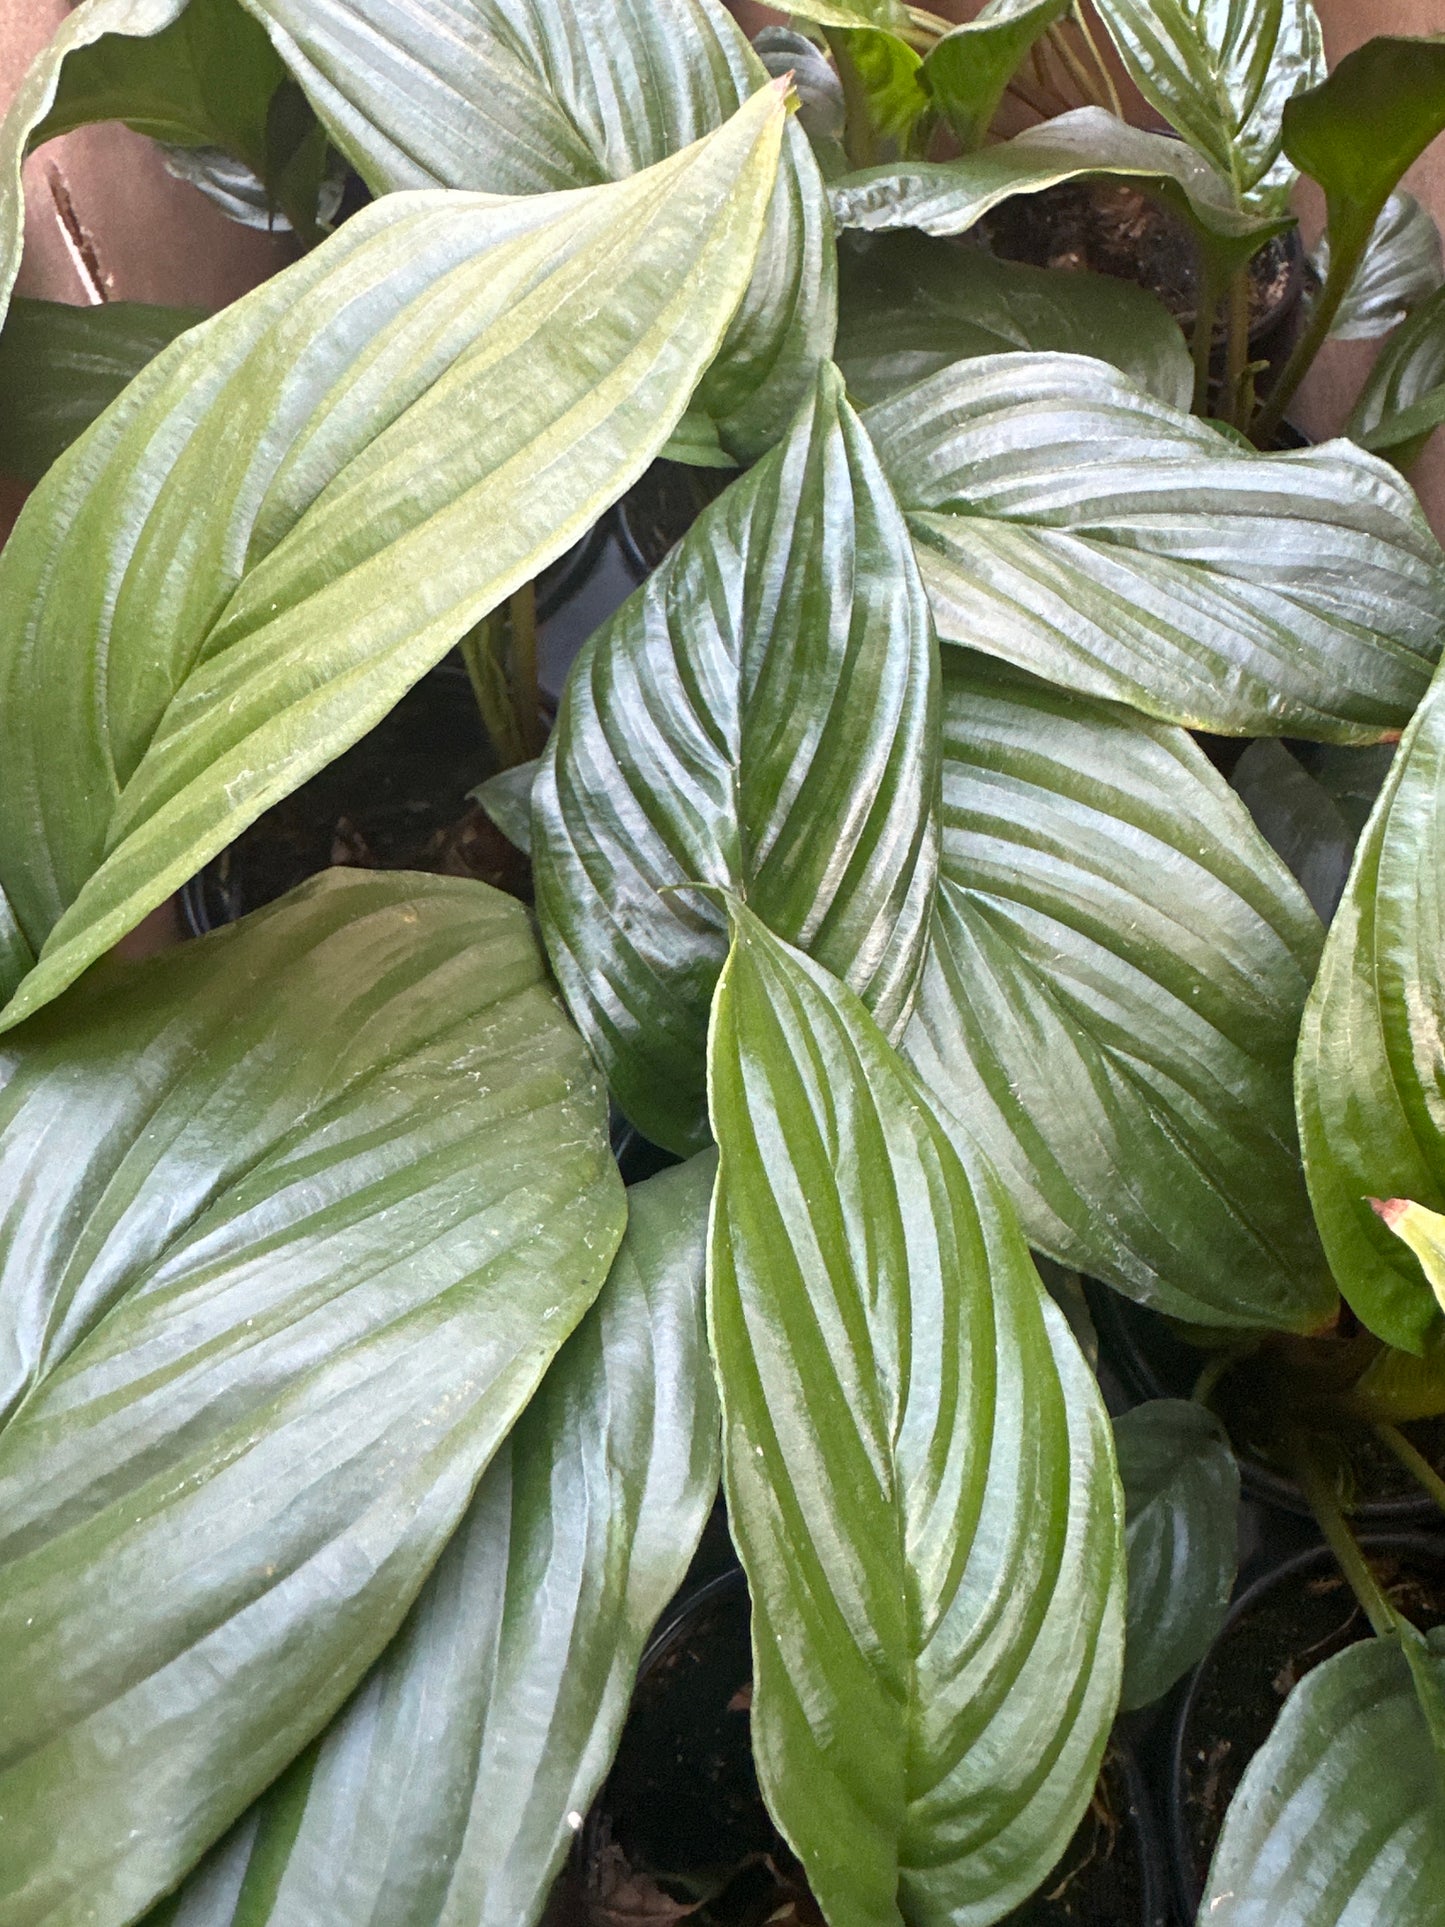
[
  {"x": 969, "y": 69},
  {"x": 1111, "y": 1000},
  {"x": 1403, "y": 400},
  {"x": 1357, "y": 132},
  {"x": 909, "y": 306},
  {"x": 761, "y": 716},
  {"x": 357, "y": 461},
  {"x": 1340, "y": 1817},
  {"x": 295, "y": 1220},
  {"x": 205, "y": 81},
  {"x": 1221, "y": 72},
  {"x": 1371, "y": 1058},
  {"x": 919, "y": 1472},
  {"x": 949, "y": 197},
  {"x": 1181, "y": 1499},
  {"x": 1401, "y": 268},
  {"x": 37, "y": 94},
  {"x": 447, "y": 1790},
  {"x": 1069, "y": 523},
  {"x": 1351, "y": 778},
  {"x": 1299, "y": 819},
  {"x": 62, "y": 366},
  {"x": 525, "y": 96}
]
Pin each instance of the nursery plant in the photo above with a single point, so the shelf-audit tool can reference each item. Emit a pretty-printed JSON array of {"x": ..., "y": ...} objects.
[{"x": 357, "y": 1423}]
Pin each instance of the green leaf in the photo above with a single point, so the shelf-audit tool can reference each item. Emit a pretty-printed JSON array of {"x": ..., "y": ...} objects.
[
  {"x": 1299, "y": 819},
  {"x": 524, "y": 97},
  {"x": 1221, "y": 73},
  {"x": 1069, "y": 523},
  {"x": 1423, "y": 1231},
  {"x": 62, "y": 366},
  {"x": 1369, "y": 1076},
  {"x": 760, "y": 716},
  {"x": 851, "y": 13},
  {"x": 1398, "y": 1388},
  {"x": 1401, "y": 268},
  {"x": 507, "y": 800},
  {"x": 296, "y": 1219},
  {"x": 918, "y": 1466},
  {"x": 822, "y": 109},
  {"x": 949, "y": 197},
  {"x": 968, "y": 71},
  {"x": 37, "y": 95},
  {"x": 357, "y": 461},
  {"x": 1110, "y": 1002},
  {"x": 1181, "y": 1500},
  {"x": 204, "y": 81},
  {"x": 909, "y": 306},
  {"x": 449, "y": 1787},
  {"x": 883, "y": 76},
  {"x": 1403, "y": 400},
  {"x": 1358, "y": 131},
  {"x": 1340, "y": 1816}
]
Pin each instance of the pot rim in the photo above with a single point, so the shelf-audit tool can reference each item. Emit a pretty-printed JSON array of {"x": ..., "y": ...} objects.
[{"x": 1180, "y": 1849}]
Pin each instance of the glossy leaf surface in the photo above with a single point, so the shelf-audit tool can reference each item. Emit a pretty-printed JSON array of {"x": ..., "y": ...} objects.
[
  {"x": 909, "y": 306},
  {"x": 358, "y": 461},
  {"x": 1181, "y": 1499},
  {"x": 949, "y": 197},
  {"x": 1070, "y": 523},
  {"x": 525, "y": 96},
  {"x": 1369, "y": 1078},
  {"x": 1353, "y": 1740},
  {"x": 1403, "y": 400},
  {"x": 296, "y": 1219},
  {"x": 969, "y": 69},
  {"x": 762, "y": 715},
  {"x": 1221, "y": 72},
  {"x": 1402, "y": 267},
  {"x": 1111, "y": 1000},
  {"x": 918, "y": 1468},
  {"x": 62, "y": 366},
  {"x": 1359, "y": 130},
  {"x": 446, "y": 1791}
]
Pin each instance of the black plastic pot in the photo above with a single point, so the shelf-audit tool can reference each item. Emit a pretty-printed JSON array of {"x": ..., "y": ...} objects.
[
  {"x": 683, "y": 1797},
  {"x": 659, "y": 509},
  {"x": 1151, "y": 1362},
  {"x": 1278, "y": 1630}
]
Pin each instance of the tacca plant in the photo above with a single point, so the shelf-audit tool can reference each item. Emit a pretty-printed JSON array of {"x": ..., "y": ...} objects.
[{"x": 356, "y": 1424}]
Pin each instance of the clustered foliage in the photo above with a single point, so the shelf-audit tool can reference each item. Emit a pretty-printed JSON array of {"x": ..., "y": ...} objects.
[{"x": 356, "y": 1423}]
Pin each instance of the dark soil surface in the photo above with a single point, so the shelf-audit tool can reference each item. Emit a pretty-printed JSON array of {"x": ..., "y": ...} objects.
[
  {"x": 1153, "y": 1361},
  {"x": 680, "y": 1830},
  {"x": 659, "y": 510},
  {"x": 1112, "y": 228},
  {"x": 396, "y": 801},
  {"x": 1305, "y": 1616}
]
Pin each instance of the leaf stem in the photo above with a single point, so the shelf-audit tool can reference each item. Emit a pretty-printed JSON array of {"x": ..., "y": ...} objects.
[
  {"x": 1113, "y": 103},
  {"x": 1238, "y": 386},
  {"x": 1324, "y": 1503},
  {"x": 1344, "y": 260},
  {"x": 1414, "y": 1462},
  {"x": 1210, "y": 292},
  {"x": 1086, "y": 82},
  {"x": 526, "y": 695}
]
